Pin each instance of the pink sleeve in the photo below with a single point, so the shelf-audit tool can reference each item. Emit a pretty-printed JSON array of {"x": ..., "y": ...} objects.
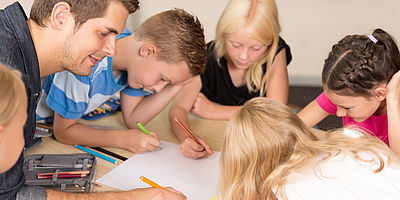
[{"x": 326, "y": 104}]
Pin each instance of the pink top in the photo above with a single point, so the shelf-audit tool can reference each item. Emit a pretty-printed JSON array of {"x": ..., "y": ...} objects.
[{"x": 377, "y": 125}]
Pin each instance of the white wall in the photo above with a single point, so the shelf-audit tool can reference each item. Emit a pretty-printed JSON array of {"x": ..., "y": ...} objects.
[{"x": 310, "y": 27}]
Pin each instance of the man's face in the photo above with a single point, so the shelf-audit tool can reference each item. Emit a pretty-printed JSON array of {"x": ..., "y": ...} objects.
[{"x": 93, "y": 40}]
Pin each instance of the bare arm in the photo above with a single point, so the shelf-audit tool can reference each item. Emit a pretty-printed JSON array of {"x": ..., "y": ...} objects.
[
  {"x": 144, "y": 109},
  {"x": 393, "y": 113},
  {"x": 137, "y": 194},
  {"x": 69, "y": 131},
  {"x": 180, "y": 109},
  {"x": 278, "y": 80},
  {"x": 312, "y": 114},
  {"x": 277, "y": 89}
]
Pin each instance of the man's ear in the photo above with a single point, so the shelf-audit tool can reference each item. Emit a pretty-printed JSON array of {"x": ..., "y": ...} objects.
[
  {"x": 59, "y": 15},
  {"x": 147, "y": 50},
  {"x": 380, "y": 92}
]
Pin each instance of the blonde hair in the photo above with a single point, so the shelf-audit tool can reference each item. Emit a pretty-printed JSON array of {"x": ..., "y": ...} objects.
[
  {"x": 261, "y": 17},
  {"x": 12, "y": 92},
  {"x": 265, "y": 141}
]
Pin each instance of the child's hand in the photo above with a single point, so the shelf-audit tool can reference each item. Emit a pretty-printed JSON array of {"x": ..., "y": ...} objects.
[
  {"x": 393, "y": 88},
  {"x": 191, "y": 149},
  {"x": 202, "y": 106},
  {"x": 138, "y": 142}
]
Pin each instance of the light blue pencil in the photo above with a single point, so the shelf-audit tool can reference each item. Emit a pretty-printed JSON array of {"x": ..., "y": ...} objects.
[{"x": 96, "y": 154}]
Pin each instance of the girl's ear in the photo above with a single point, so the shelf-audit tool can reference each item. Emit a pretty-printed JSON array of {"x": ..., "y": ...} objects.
[
  {"x": 60, "y": 13},
  {"x": 147, "y": 50},
  {"x": 380, "y": 92}
]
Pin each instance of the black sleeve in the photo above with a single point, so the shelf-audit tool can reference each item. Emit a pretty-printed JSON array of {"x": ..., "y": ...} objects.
[{"x": 283, "y": 45}]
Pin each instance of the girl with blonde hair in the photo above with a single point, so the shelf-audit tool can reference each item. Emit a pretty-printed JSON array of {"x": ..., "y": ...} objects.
[
  {"x": 12, "y": 117},
  {"x": 247, "y": 59},
  {"x": 269, "y": 153}
]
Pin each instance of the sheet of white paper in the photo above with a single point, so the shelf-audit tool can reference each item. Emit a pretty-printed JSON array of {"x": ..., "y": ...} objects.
[{"x": 197, "y": 179}]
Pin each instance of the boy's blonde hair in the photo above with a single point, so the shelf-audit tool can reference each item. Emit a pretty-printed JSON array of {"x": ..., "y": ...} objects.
[
  {"x": 265, "y": 141},
  {"x": 178, "y": 36},
  {"x": 261, "y": 19},
  {"x": 12, "y": 92}
]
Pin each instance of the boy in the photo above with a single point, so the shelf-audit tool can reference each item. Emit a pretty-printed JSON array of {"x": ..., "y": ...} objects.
[{"x": 166, "y": 51}]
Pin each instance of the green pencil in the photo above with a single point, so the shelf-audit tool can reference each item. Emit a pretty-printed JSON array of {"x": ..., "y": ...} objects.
[{"x": 143, "y": 129}]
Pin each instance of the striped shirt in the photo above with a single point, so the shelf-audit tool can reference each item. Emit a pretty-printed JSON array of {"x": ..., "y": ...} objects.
[{"x": 74, "y": 96}]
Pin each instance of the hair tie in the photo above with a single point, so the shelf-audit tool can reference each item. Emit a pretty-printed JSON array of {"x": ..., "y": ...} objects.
[{"x": 372, "y": 38}]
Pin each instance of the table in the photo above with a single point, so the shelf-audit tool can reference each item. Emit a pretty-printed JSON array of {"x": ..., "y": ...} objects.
[{"x": 210, "y": 131}]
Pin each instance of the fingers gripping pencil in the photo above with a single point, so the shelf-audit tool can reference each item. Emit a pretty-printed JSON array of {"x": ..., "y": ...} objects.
[{"x": 143, "y": 129}]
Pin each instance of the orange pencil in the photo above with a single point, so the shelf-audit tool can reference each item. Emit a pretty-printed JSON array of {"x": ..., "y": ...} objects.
[
  {"x": 151, "y": 183},
  {"x": 187, "y": 131}
]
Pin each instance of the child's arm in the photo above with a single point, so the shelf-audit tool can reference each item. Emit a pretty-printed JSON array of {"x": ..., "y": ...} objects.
[
  {"x": 278, "y": 80},
  {"x": 180, "y": 109},
  {"x": 393, "y": 113},
  {"x": 312, "y": 114},
  {"x": 69, "y": 131},
  {"x": 145, "y": 109},
  {"x": 277, "y": 89}
]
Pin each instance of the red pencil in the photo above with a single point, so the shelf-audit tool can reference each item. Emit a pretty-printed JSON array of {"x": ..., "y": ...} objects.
[
  {"x": 68, "y": 172},
  {"x": 62, "y": 176},
  {"x": 187, "y": 131}
]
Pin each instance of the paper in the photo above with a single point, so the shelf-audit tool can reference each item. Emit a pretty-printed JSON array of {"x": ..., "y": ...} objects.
[{"x": 197, "y": 179}]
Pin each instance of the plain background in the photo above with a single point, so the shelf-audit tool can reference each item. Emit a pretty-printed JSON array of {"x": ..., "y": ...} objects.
[{"x": 310, "y": 27}]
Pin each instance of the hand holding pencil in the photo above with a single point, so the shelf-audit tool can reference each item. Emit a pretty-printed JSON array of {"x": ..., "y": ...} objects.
[
  {"x": 140, "y": 140},
  {"x": 171, "y": 193},
  {"x": 192, "y": 146}
]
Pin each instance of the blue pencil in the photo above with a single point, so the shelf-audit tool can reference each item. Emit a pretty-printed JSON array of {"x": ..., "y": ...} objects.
[{"x": 96, "y": 154}]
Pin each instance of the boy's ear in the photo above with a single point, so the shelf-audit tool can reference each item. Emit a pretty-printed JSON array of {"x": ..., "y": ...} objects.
[
  {"x": 59, "y": 15},
  {"x": 380, "y": 93},
  {"x": 1, "y": 130},
  {"x": 147, "y": 50}
]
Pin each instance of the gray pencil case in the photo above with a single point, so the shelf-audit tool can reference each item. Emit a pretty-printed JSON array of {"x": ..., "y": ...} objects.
[{"x": 63, "y": 172}]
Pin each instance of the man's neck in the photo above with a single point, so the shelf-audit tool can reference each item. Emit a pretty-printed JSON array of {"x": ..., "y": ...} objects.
[{"x": 45, "y": 49}]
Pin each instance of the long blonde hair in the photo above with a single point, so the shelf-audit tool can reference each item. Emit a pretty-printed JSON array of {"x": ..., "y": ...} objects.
[
  {"x": 265, "y": 141},
  {"x": 261, "y": 16},
  {"x": 12, "y": 92}
]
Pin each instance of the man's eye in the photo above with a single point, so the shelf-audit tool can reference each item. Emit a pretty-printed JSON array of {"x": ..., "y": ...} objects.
[{"x": 102, "y": 34}]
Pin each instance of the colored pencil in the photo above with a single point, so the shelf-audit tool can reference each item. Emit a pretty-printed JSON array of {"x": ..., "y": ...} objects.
[
  {"x": 87, "y": 150},
  {"x": 187, "y": 131},
  {"x": 62, "y": 176},
  {"x": 142, "y": 128},
  {"x": 68, "y": 172},
  {"x": 110, "y": 153},
  {"x": 75, "y": 166},
  {"x": 44, "y": 126},
  {"x": 151, "y": 183}
]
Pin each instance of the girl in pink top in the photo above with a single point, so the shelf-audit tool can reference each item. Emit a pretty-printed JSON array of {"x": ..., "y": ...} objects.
[{"x": 355, "y": 78}]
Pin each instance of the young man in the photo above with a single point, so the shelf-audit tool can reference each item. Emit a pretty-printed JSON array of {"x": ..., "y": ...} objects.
[
  {"x": 166, "y": 51},
  {"x": 59, "y": 35}
]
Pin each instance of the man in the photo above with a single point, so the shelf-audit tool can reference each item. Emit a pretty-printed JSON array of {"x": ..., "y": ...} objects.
[{"x": 68, "y": 35}]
